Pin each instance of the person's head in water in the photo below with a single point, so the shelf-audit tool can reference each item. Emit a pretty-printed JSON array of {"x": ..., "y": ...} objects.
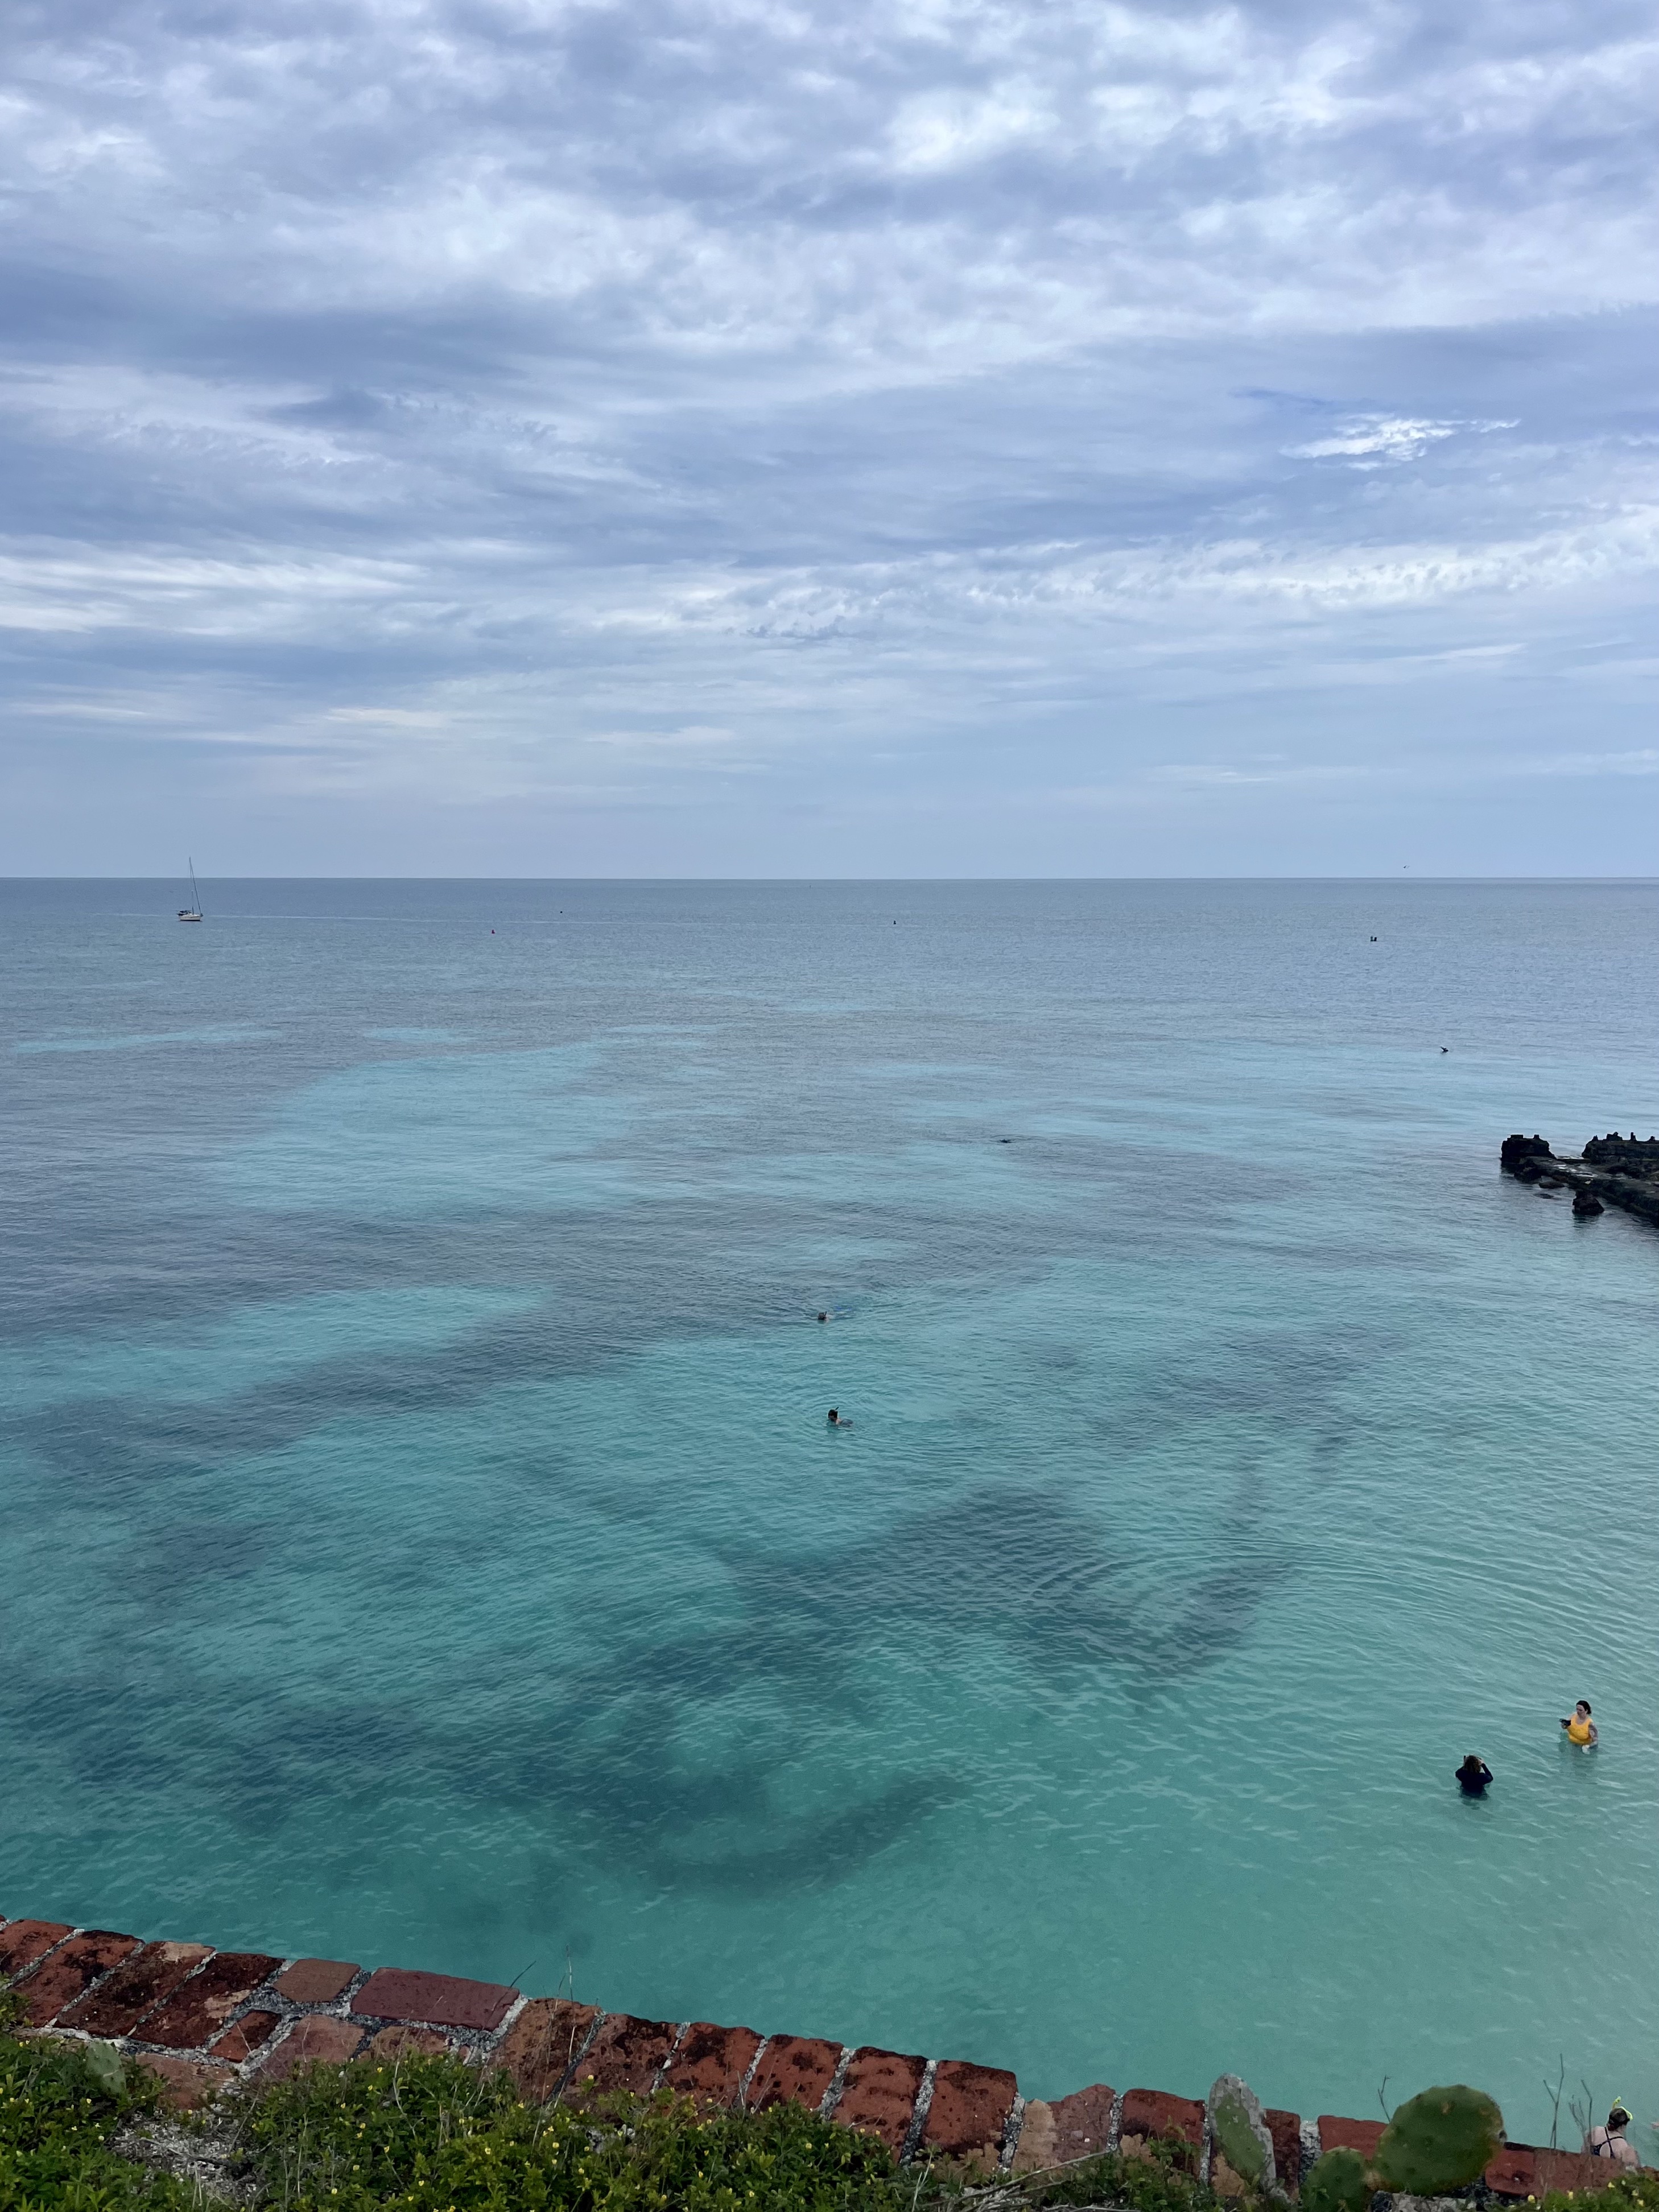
[
  {"x": 835, "y": 1419},
  {"x": 824, "y": 1317}
]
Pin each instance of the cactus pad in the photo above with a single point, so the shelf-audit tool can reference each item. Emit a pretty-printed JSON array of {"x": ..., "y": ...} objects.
[
  {"x": 1441, "y": 2140},
  {"x": 103, "y": 2062},
  {"x": 1240, "y": 2133},
  {"x": 1338, "y": 2182}
]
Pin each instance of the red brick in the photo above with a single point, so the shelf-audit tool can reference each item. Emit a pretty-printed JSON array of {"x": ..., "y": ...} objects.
[
  {"x": 314, "y": 1981},
  {"x": 794, "y": 2069},
  {"x": 316, "y": 2040},
  {"x": 1284, "y": 2131},
  {"x": 187, "y": 2082},
  {"x": 1571, "y": 2169},
  {"x": 1152, "y": 2115},
  {"x": 1514, "y": 2171},
  {"x": 245, "y": 2036},
  {"x": 626, "y": 2054},
  {"x": 879, "y": 2095},
  {"x": 442, "y": 2000},
  {"x": 1072, "y": 2128},
  {"x": 400, "y": 2040},
  {"x": 23, "y": 1942},
  {"x": 1083, "y": 2122},
  {"x": 711, "y": 2061},
  {"x": 542, "y": 2045},
  {"x": 70, "y": 1971},
  {"x": 970, "y": 2112},
  {"x": 1363, "y": 2136},
  {"x": 136, "y": 1988},
  {"x": 204, "y": 2003}
]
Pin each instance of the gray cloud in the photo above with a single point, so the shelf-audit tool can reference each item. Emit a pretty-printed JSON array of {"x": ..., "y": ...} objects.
[{"x": 705, "y": 437}]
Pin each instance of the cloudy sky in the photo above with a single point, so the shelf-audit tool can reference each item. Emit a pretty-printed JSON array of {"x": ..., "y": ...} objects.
[{"x": 697, "y": 437}]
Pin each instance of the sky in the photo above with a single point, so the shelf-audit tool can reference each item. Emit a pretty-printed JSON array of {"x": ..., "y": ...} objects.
[{"x": 829, "y": 437}]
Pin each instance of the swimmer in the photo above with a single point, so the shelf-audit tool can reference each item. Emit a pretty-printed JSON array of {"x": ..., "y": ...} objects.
[
  {"x": 1474, "y": 1776},
  {"x": 836, "y": 1421},
  {"x": 824, "y": 1317},
  {"x": 1581, "y": 1729},
  {"x": 1609, "y": 2142}
]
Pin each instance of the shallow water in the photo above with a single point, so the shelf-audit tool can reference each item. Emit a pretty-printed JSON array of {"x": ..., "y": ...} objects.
[{"x": 425, "y": 1543}]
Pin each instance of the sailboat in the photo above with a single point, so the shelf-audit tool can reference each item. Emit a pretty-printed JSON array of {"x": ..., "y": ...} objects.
[{"x": 193, "y": 911}]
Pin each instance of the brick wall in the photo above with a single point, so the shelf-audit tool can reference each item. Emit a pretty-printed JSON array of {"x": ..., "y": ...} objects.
[{"x": 202, "y": 2018}]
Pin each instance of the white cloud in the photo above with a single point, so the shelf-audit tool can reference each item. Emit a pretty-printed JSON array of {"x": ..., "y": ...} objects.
[
  {"x": 1380, "y": 438},
  {"x": 420, "y": 397}
]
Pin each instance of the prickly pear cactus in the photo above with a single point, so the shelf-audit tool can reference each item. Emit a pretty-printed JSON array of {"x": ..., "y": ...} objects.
[
  {"x": 1439, "y": 2140},
  {"x": 103, "y": 2062},
  {"x": 1338, "y": 2182},
  {"x": 1239, "y": 2132}
]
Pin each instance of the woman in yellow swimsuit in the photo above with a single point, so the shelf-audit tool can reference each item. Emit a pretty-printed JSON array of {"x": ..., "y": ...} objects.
[{"x": 1581, "y": 1729}]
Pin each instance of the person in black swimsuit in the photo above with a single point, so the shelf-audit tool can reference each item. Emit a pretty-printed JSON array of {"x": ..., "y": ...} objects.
[{"x": 1473, "y": 1776}]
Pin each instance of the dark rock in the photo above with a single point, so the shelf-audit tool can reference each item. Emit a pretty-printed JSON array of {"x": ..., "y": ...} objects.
[
  {"x": 1585, "y": 1202},
  {"x": 1516, "y": 1149},
  {"x": 1626, "y": 1152}
]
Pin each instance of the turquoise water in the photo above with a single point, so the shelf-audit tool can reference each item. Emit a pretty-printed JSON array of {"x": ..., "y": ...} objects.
[{"x": 424, "y": 1542}]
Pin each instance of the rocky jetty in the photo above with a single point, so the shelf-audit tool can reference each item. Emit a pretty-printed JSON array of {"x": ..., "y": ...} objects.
[{"x": 1611, "y": 1170}]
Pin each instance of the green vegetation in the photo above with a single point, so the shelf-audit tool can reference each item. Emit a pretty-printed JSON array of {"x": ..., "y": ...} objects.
[
  {"x": 1338, "y": 2183},
  {"x": 1639, "y": 2190},
  {"x": 1236, "y": 2135},
  {"x": 1441, "y": 2140},
  {"x": 432, "y": 2135},
  {"x": 59, "y": 2104}
]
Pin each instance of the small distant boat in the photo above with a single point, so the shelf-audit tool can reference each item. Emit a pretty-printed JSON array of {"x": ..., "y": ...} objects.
[{"x": 193, "y": 911}]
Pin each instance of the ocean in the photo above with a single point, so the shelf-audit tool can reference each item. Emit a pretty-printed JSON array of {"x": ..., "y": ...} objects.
[{"x": 425, "y": 1544}]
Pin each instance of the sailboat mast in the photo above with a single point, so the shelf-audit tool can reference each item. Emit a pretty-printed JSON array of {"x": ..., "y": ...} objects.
[{"x": 195, "y": 895}]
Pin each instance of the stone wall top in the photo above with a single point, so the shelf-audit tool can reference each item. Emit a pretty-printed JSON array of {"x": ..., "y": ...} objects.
[{"x": 204, "y": 2019}]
